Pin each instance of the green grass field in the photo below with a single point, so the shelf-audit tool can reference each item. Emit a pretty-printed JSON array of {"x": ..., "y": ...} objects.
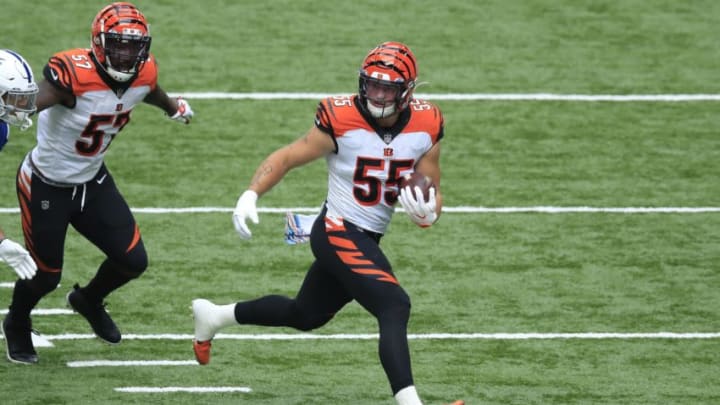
[{"x": 484, "y": 272}]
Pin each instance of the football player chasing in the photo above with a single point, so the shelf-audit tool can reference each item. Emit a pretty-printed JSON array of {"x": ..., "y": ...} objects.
[
  {"x": 85, "y": 100},
  {"x": 18, "y": 91},
  {"x": 369, "y": 141}
]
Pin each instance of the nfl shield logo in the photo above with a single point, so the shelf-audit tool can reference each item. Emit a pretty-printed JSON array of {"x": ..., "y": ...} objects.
[{"x": 45, "y": 204}]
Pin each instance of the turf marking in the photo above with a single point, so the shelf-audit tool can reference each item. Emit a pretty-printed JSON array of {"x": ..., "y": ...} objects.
[
  {"x": 130, "y": 363},
  {"x": 11, "y": 284},
  {"x": 40, "y": 340},
  {"x": 466, "y": 97},
  {"x": 458, "y": 209},
  {"x": 48, "y": 311},
  {"x": 163, "y": 390},
  {"x": 423, "y": 336}
]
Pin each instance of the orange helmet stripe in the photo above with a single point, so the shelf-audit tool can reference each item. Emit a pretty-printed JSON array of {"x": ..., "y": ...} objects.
[{"x": 394, "y": 56}]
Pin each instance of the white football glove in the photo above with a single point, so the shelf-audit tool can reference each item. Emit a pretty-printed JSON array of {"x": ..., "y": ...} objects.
[
  {"x": 184, "y": 113},
  {"x": 245, "y": 208},
  {"x": 421, "y": 212},
  {"x": 18, "y": 258}
]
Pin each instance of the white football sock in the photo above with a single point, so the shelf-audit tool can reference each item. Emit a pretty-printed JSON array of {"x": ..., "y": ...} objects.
[
  {"x": 226, "y": 315},
  {"x": 408, "y": 396},
  {"x": 209, "y": 318}
]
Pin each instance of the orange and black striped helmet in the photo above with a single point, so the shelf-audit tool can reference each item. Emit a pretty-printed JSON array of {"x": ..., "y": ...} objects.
[
  {"x": 121, "y": 40},
  {"x": 390, "y": 63}
]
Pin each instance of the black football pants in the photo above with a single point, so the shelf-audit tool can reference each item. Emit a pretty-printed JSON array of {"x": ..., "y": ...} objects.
[{"x": 349, "y": 265}]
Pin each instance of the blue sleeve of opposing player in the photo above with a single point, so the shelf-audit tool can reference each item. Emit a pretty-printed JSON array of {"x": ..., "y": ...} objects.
[{"x": 4, "y": 133}]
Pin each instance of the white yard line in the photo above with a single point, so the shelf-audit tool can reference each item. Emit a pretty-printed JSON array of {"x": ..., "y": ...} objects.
[
  {"x": 46, "y": 311},
  {"x": 421, "y": 336},
  {"x": 466, "y": 96},
  {"x": 163, "y": 390},
  {"x": 40, "y": 341},
  {"x": 458, "y": 209},
  {"x": 130, "y": 363}
]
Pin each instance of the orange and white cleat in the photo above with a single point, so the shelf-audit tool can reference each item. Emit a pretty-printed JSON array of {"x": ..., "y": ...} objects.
[
  {"x": 205, "y": 328},
  {"x": 202, "y": 351}
]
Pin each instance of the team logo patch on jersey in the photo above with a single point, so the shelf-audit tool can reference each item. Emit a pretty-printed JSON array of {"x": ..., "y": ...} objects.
[{"x": 388, "y": 152}]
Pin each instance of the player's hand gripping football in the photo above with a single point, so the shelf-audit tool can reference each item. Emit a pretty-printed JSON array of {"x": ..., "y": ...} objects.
[
  {"x": 18, "y": 258},
  {"x": 420, "y": 211},
  {"x": 245, "y": 208},
  {"x": 184, "y": 113}
]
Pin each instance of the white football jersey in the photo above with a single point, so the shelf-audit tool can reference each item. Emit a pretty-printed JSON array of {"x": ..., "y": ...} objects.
[
  {"x": 72, "y": 142},
  {"x": 363, "y": 173}
]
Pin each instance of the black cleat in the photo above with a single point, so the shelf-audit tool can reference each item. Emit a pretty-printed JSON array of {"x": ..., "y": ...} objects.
[
  {"x": 95, "y": 313},
  {"x": 18, "y": 340}
]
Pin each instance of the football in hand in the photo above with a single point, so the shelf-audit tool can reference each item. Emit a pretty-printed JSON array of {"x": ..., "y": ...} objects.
[{"x": 416, "y": 179}]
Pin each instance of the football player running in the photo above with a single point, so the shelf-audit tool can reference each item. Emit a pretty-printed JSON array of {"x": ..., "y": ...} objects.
[
  {"x": 85, "y": 100},
  {"x": 18, "y": 91},
  {"x": 369, "y": 141}
]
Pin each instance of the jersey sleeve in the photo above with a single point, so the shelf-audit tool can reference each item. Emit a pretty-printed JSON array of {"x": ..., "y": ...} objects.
[
  {"x": 58, "y": 73},
  {"x": 427, "y": 117},
  {"x": 324, "y": 117},
  {"x": 441, "y": 126},
  {"x": 338, "y": 114},
  {"x": 148, "y": 73}
]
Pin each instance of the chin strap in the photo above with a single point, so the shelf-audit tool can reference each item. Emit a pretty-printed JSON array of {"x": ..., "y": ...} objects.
[
  {"x": 378, "y": 112},
  {"x": 27, "y": 123}
]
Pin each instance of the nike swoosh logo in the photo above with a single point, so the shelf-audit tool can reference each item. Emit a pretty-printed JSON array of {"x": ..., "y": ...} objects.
[
  {"x": 101, "y": 179},
  {"x": 53, "y": 74}
]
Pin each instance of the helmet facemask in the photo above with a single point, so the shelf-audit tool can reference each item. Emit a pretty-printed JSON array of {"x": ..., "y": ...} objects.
[
  {"x": 124, "y": 54},
  {"x": 18, "y": 90},
  {"x": 382, "y": 98},
  {"x": 16, "y": 107},
  {"x": 121, "y": 40},
  {"x": 387, "y": 79}
]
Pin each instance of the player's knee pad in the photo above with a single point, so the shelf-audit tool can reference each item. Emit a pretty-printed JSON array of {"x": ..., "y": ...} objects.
[
  {"x": 44, "y": 282},
  {"x": 135, "y": 269},
  {"x": 395, "y": 309},
  {"x": 310, "y": 323},
  {"x": 133, "y": 264},
  {"x": 398, "y": 313},
  {"x": 124, "y": 269},
  {"x": 307, "y": 321}
]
